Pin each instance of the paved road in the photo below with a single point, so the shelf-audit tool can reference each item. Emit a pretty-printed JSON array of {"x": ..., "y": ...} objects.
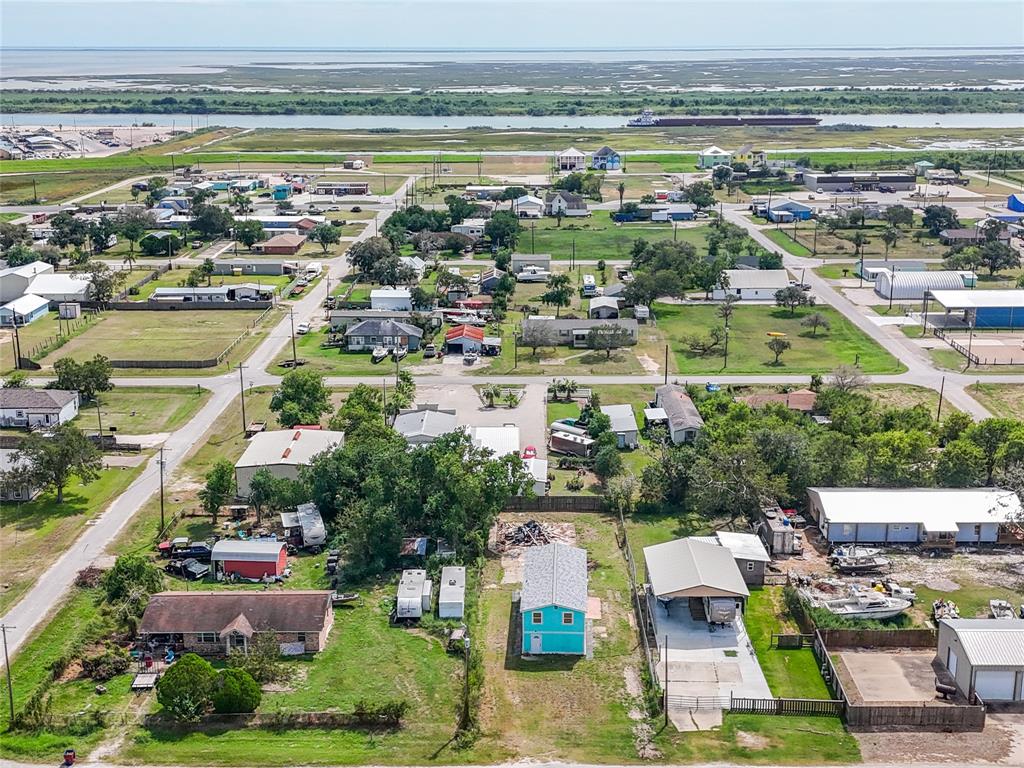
[{"x": 48, "y": 590}]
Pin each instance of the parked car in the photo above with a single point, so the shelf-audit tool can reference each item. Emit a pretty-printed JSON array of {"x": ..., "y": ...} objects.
[
  {"x": 197, "y": 550},
  {"x": 197, "y": 243},
  {"x": 430, "y": 351},
  {"x": 302, "y": 328},
  {"x": 356, "y": 209},
  {"x": 886, "y": 188},
  {"x": 190, "y": 569}
]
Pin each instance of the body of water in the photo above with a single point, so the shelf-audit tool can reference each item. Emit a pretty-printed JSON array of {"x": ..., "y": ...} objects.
[{"x": 516, "y": 122}]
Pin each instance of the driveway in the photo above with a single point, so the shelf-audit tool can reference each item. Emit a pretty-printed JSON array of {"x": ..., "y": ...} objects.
[
  {"x": 703, "y": 663},
  {"x": 530, "y": 415}
]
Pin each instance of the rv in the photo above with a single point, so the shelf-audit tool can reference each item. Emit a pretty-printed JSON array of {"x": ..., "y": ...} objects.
[{"x": 589, "y": 286}]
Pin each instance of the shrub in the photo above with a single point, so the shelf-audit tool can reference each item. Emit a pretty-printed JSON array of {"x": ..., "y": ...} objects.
[
  {"x": 184, "y": 690},
  {"x": 262, "y": 662},
  {"x": 387, "y": 712},
  {"x": 107, "y": 664},
  {"x": 235, "y": 691}
]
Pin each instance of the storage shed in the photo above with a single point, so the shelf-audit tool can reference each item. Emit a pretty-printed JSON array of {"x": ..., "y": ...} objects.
[
  {"x": 451, "y": 597},
  {"x": 914, "y": 285},
  {"x": 253, "y": 559},
  {"x": 984, "y": 656},
  {"x": 623, "y": 424}
]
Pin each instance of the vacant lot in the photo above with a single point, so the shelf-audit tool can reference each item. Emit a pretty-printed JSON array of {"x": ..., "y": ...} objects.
[
  {"x": 1001, "y": 399},
  {"x": 145, "y": 335},
  {"x": 800, "y": 240},
  {"x": 176, "y": 278},
  {"x": 598, "y": 237},
  {"x": 143, "y": 410},
  {"x": 55, "y": 186},
  {"x": 748, "y": 350}
]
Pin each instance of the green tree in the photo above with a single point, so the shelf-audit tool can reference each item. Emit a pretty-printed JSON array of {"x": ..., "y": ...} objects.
[
  {"x": 938, "y": 217},
  {"x": 898, "y": 458},
  {"x": 608, "y": 463},
  {"x": 261, "y": 659},
  {"x": 960, "y": 465},
  {"x": 778, "y": 345},
  {"x": 899, "y": 216},
  {"x": 325, "y": 235},
  {"x": 235, "y": 691},
  {"x": 104, "y": 282},
  {"x": 609, "y": 338},
  {"x": 621, "y": 189},
  {"x": 211, "y": 221},
  {"x": 792, "y": 297},
  {"x": 890, "y": 236},
  {"x": 701, "y": 194},
  {"x": 559, "y": 292},
  {"x": 68, "y": 230},
  {"x": 249, "y": 232},
  {"x": 362, "y": 407},
  {"x": 185, "y": 689},
  {"x": 302, "y": 398},
  {"x": 996, "y": 257},
  {"x": 50, "y": 461},
  {"x": 242, "y": 203},
  {"x": 459, "y": 209},
  {"x": 990, "y": 435},
  {"x": 365, "y": 254},
  {"x": 128, "y": 573},
  {"x": 87, "y": 378},
  {"x": 732, "y": 480},
  {"x": 814, "y": 321},
  {"x": 503, "y": 229},
  {"x": 132, "y": 224},
  {"x": 12, "y": 235},
  {"x": 100, "y": 232},
  {"x": 219, "y": 488}
]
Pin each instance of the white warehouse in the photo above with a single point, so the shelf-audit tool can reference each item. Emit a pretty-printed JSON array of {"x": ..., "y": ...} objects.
[
  {"x": 755, "y": 284},
  {"x": 913, "y": 285}
]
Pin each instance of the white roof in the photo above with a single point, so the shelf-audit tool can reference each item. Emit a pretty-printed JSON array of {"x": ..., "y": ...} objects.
[
  {"x": 389, "y": 293},
  {"x": 655, "y": 414},
  {"x": 288, "y": 446},
  {"x": 990, "y": 642},
  {"x": 976, "y": 299},
  {"x": 604, "y": 301},
  {"x": 757, "y": 278},
  {"x": 500, "y": 440},
  {"x": 413, "y": 261},
  {"x": 425, "y": 422},
  {"x": 621, "y": 416},
  {"x": 571, "y": 152},
  {"x": 250, "y": 551},
  {"x": 28, "y": 270},
  {"x": 306, "y": 516},
  {"x": 529, "y": 200},
  {"x": 937, "y": 509},
  {"x": 713, "y": 150},
  {"x": 453, "y": 584},
  {"x": 59, "y": 284},
  {"x": 938, "y": 281},
  {"x": 744, "y": 546},
  {"x": 26, "y": 304},
  {"x": 472, "y": 223}
]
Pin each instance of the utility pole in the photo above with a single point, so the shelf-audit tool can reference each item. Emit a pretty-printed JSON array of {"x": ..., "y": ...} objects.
[
  {"x": 942, "y": 389},
  {"x": 241, "y": 392},
  {"x": 533, "y": 237},
  {"x": 464, "y": 720},
  {"x": 384, "y": 405},
  {"x": 295, "y": 357},
  {"x": 162, "y": 462},
  {"x": 666, "y": 681},
  {"x": 666, "y": 363},
  {"x": 17, "y": 348},
  {"x": 99, "y": 418},
  {"x": 7, "y": 666}
]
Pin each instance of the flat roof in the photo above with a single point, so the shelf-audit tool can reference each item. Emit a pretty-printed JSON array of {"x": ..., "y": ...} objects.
[
  {"x": 757, "y": 278},
  {"x": 975, "y": 299},
  {"x": 621, "y": 416},
  {"x": 937, "y": 509},
  {"x": 501, "y": 440},
  {"x": 990, "y": 642},
  {"x": 288, "y": 446}
]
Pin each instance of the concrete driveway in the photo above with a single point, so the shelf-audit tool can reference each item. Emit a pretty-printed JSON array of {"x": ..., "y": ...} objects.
[
  {"x": 530, "y": 415},
  {"x": 702, "y": 663}
]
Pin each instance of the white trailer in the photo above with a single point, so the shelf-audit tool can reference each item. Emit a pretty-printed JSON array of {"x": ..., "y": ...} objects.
[
  {"x": 451, "y": 598},
  {"x": 411, "y": 587}
]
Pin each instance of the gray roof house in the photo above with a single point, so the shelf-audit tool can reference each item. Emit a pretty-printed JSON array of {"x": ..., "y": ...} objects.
[
  {"x": 26, "y": 407},
  {"x": 689, "y": 568},
  {"x": 684, "y": 420},
  {"x": 565, "y": 203},
  {"x": 368, "y": 334},
  {"x": 623, "y": 424},
  {"x": 423, "y": 424}
]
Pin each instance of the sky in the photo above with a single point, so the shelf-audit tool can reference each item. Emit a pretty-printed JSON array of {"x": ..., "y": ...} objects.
[{"x": 506, "y": 24}]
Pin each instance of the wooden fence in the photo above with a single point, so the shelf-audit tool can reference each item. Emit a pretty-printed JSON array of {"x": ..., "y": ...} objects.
[
  {"x": 879, "y": 638},
  {"x": 556, "y": 504},
  {"x": 791, "y": 641},
  {"x": 814, "y": 707},
  {"x": 187, "y": 306}
]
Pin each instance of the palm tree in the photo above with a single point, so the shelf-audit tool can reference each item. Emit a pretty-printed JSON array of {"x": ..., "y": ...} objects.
[
  {"x": 491, "y": 392},
  {"x": 621, "y": 189},
  {"x": 130, "y": 259},
  {"x": 570, "y": 386},
  {"x": 859, "y": 240},
  {"x": 890, "y": 236},
  {"x": 512, "y": 398}
]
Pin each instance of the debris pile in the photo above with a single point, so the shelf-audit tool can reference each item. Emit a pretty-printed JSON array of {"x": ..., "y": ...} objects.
[
  {"x": 945, "y": 609},
  {"x": 510, "y": 535}
]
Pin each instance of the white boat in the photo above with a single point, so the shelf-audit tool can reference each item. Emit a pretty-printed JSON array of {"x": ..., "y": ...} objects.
[
  {"x": 378, "y": 354},
  {"x": 867, "y": 605},
  {"x": 859, "y": 563},
  {"x": 399, "y": 352},
  {"x": 1001, "y": 609},
  {"x": 470, "y": 357}
]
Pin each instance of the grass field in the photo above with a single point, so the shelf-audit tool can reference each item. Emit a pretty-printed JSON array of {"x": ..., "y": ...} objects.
[
  {"x": 1006, "y": 400},
  {"x": 598, "y": 237},
  {"x": 144, "y": 410},
  {"x": 748, "y": 352},
  {"x": 166, "y": 335},
  {"x": 176, "y": 277},
  {"x": 838, "y": 245},
  {"x": 54, "y": 185},
  {"x": 35, "y": 533},
  {"x": 781, "y": 238}
]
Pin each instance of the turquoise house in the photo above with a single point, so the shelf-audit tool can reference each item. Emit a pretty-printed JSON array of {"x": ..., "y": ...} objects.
[{"x": 553, "y": 602}]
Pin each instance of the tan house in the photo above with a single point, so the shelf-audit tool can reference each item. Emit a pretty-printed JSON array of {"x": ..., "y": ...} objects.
[{"x": 212, "y": 623}]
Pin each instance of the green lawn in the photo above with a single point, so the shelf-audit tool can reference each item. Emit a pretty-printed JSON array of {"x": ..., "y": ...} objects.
[
  {"x": 832, "y": 271},
  {"x": 144, "y": 410},
  {"x": 748, "y": 352},
  {"x": 176, "y": 277},
  {"x": 598, "y": 237},
  {"x": 781, "y": 237},
  {"x": 34, "y": 534},
  {"x": 1005, "y": 400},
  {"x": 336, "y": 361}
]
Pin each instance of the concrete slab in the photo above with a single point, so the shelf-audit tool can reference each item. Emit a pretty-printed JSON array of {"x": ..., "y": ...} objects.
[
  {"x": 906, "y": 675},
  {"x": 594, "y": 608}
]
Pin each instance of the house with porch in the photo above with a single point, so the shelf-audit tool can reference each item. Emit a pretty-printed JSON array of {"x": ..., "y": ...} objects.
[
  {"x": 606, "y": 159},
  {"x": 562, "y": 203},
  {"x": 31, "y": 408},
  {"x": 712, "y": 156},
  {"x": 367, "y": 334},
  {"x": 569, "y": 160},
  {"x": 212, "y": 623}
]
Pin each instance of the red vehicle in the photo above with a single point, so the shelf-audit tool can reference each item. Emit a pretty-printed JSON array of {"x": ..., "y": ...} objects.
[
  {"x": 529, "y": 452},
  {"x": 69, "y": 757}
]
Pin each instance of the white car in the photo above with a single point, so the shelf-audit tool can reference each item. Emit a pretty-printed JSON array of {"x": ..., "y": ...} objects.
[{"x": 302, "y": 328}]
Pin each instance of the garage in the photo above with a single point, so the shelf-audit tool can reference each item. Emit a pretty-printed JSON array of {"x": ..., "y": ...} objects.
[{"x": 995, "y": 685}]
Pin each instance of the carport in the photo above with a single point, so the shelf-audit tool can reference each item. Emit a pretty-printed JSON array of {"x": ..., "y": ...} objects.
[{"x": 704, "y": 575}]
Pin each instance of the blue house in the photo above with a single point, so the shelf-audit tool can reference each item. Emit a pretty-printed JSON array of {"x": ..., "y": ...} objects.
[
  {"x": 1015, "y": 202},
  {"x": 606, "y": 159},
  {"x": 23, "y": 310},
  {"x": 282, "y": 191},
  {"x": 553, "y": 603},
  {"x": 789, "y": 210}
]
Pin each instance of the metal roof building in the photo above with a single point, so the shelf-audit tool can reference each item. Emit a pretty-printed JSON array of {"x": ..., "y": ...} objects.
[
  {"x": 554, "y": 574},
  {"x": 938, "y": 516},
  {"x": 981, "y": 309},
  {"x": 692, "y": 568},
  {"x": 282, "y": 452},
  {"x": 425, "y": 424},
  {"x": 984, "y": 656},
  {"x": 914, "y": 285}
]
